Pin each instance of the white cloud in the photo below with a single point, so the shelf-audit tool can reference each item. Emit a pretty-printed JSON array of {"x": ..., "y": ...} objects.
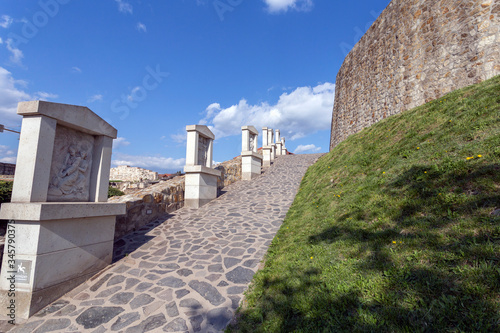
[
  {"x": 16, "y": 54},
  {"x": 44, "y": 96},
  {"x": 179, "y": 138},
  {"x": 276, "y": 6},
  {"x": 94, "y": 98},
  {"x": 120, "y": 142},
  {"x": 76, "y": 70},
  {"x": 148, "y": 162},
  {"x": 141, "y": 27},
  {"x": 6, "y": 21},
  {"x": 10, "y": 95},
  {"x": 8, "y": 155},
  {"x": 297, "y": 114},
  {"x": 309, "y": 148},
  {"x": 1, "y": 41},
  {"x": 124, "y": 7}
]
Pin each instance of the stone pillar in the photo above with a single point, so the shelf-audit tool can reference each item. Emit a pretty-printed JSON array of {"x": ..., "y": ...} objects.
[
  {"x": 266, "y": 148},
  {"x": 270, "y": 139},
  {"x": 279, "y": 150},
  {"x": 251, "y": 161},
  {"x": 62, "y": 228},
  {"x": 200, "y": 179},
  {"x": 284, "y": 151}
]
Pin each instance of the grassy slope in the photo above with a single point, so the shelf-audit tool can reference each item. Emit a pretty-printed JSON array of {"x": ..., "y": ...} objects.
[{"x": 393, "y": 230}]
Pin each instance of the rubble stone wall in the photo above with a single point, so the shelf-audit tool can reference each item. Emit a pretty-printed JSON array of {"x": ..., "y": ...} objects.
[{"x": 415, "y": 52}]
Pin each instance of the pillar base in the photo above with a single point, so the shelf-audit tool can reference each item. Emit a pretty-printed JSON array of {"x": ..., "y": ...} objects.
[
  {"x": 57, "y": 247},
  {"x": 251, "y": 164},
  {"x": 200, "y": 185}
]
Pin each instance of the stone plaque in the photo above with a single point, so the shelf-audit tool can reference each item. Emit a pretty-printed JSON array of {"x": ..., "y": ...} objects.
[
  {"x": 23, "y": 269},
  {"x": 203, "y": 144},
  {"x": 71, "y": 164}
]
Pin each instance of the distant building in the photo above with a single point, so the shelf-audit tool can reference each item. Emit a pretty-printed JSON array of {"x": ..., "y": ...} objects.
[
  {"x": 132, "y": 174},
  {"x": 7, "y": 169}
]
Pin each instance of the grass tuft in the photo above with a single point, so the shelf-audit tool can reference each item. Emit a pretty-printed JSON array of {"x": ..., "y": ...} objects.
[{"x": 397, "y": 229}]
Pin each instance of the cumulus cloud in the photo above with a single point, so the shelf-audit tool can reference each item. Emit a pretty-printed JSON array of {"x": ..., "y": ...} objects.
[
  {"x": 141, "y": 27},
  {"x": 10, "y": 94},
  {"x": 148, "y": 162},
  {"x": 5, "y": 21},
  {"x": 94, "y": 98},
  {"x": 276, "y": 6},
  {"x": 306, "y": 148},
  {"x": 297, "y": 114},
  {"x": 7, "y": 155},
  {"x": 120, "y": 142},
  {"x": 124, "y": 6},
  {"x": 16, "y": 55}
]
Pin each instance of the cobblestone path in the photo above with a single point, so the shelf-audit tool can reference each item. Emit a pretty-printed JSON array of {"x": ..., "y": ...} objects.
[{"x": 185, "y": 273}]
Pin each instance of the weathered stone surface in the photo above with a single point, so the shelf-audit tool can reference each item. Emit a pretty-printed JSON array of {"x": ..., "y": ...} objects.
[
  {"x": 52, "y": 325},
  {"x": 148, "y": 325},
  {"x": 190, "y": 303},
  {"x": 240, "y": 275},
  {"x": 172, "y": 282},
  {"x": 196, "y": 322},
  {"x": 415, "y": 52},
  {"x": 219, "y": 318},
  {"x": 122, "y": 298},
  {"x": 207, "y": 291},
  {"x": 172, "y": 310},
  {"x": 97, "y": 315},
  {"x": 125, "y": 320},
  {"x": 176, "y": 325},
  {"x": 140, "y": 300}
]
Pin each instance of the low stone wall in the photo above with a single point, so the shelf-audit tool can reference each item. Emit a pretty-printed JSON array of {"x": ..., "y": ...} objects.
[{"x": 146, "y": 205}]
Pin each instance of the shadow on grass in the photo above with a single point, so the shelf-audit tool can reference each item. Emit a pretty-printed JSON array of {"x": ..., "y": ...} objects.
[{"x": 447, "y": 280}]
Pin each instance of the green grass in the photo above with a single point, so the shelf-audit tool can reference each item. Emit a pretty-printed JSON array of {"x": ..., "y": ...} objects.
[
  {"x": 393, "y": 230},
  {"x": 5, "y": 191},
  {"x": 114, "y": 192}
]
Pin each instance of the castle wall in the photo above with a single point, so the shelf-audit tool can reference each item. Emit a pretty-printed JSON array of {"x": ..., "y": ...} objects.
[{"x": 415, "y": 52}]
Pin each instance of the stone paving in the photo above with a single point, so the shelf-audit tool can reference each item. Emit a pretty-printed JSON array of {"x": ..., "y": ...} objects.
[{"x": 185, "y": 273}]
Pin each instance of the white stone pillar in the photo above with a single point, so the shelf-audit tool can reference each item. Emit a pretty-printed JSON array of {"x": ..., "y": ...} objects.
[
  {"x": 200, "y": 179},
  {"x": 283, "y": 148},
  {"x": 266, "y": 148},
  {"x": 62, "y": 225},
  {"x": 279, "y": 147},
  {"x": 251, "y": 161}
]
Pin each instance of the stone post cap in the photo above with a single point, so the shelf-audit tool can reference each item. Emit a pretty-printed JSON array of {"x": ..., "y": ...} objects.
[
  {"x": 202, "y": 129},
  {"x": 251, "y": 129},
  {"x": 77, "y": 117}
]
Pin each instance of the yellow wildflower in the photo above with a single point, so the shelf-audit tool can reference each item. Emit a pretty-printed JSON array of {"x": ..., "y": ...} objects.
[{"x": 479, "y": 156}]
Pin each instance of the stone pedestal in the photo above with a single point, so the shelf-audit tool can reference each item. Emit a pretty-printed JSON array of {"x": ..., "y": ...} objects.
[
  {"x": 200, "y": 179},
  {"x": 57, "y": 247},
  {"x": 270, "y": 142},
  {"x": 62, "y": 228},
  {"x": 251, "y": 161}
]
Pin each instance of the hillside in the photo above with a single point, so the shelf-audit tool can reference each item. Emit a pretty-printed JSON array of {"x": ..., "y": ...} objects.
[{"x": 396, "y": 229}]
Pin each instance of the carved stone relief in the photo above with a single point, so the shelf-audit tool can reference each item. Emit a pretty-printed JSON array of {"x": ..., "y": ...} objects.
[
  {"x": 252, "y": 141},
  {"x": 71, "y": 164},
  {"x": 203, "y": 144}
]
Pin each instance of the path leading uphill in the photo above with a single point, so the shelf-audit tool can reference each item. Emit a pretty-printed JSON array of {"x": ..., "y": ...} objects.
[{"x": 185, "y": 273}]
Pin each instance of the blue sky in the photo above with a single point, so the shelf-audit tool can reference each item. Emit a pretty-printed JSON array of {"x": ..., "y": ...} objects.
[{"x": 151, "y": 67}]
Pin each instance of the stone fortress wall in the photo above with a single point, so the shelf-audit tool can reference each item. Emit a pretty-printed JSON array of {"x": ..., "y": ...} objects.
[
  {"x": 132, "y": 174},
  {"x": 415, "y": 52}
]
